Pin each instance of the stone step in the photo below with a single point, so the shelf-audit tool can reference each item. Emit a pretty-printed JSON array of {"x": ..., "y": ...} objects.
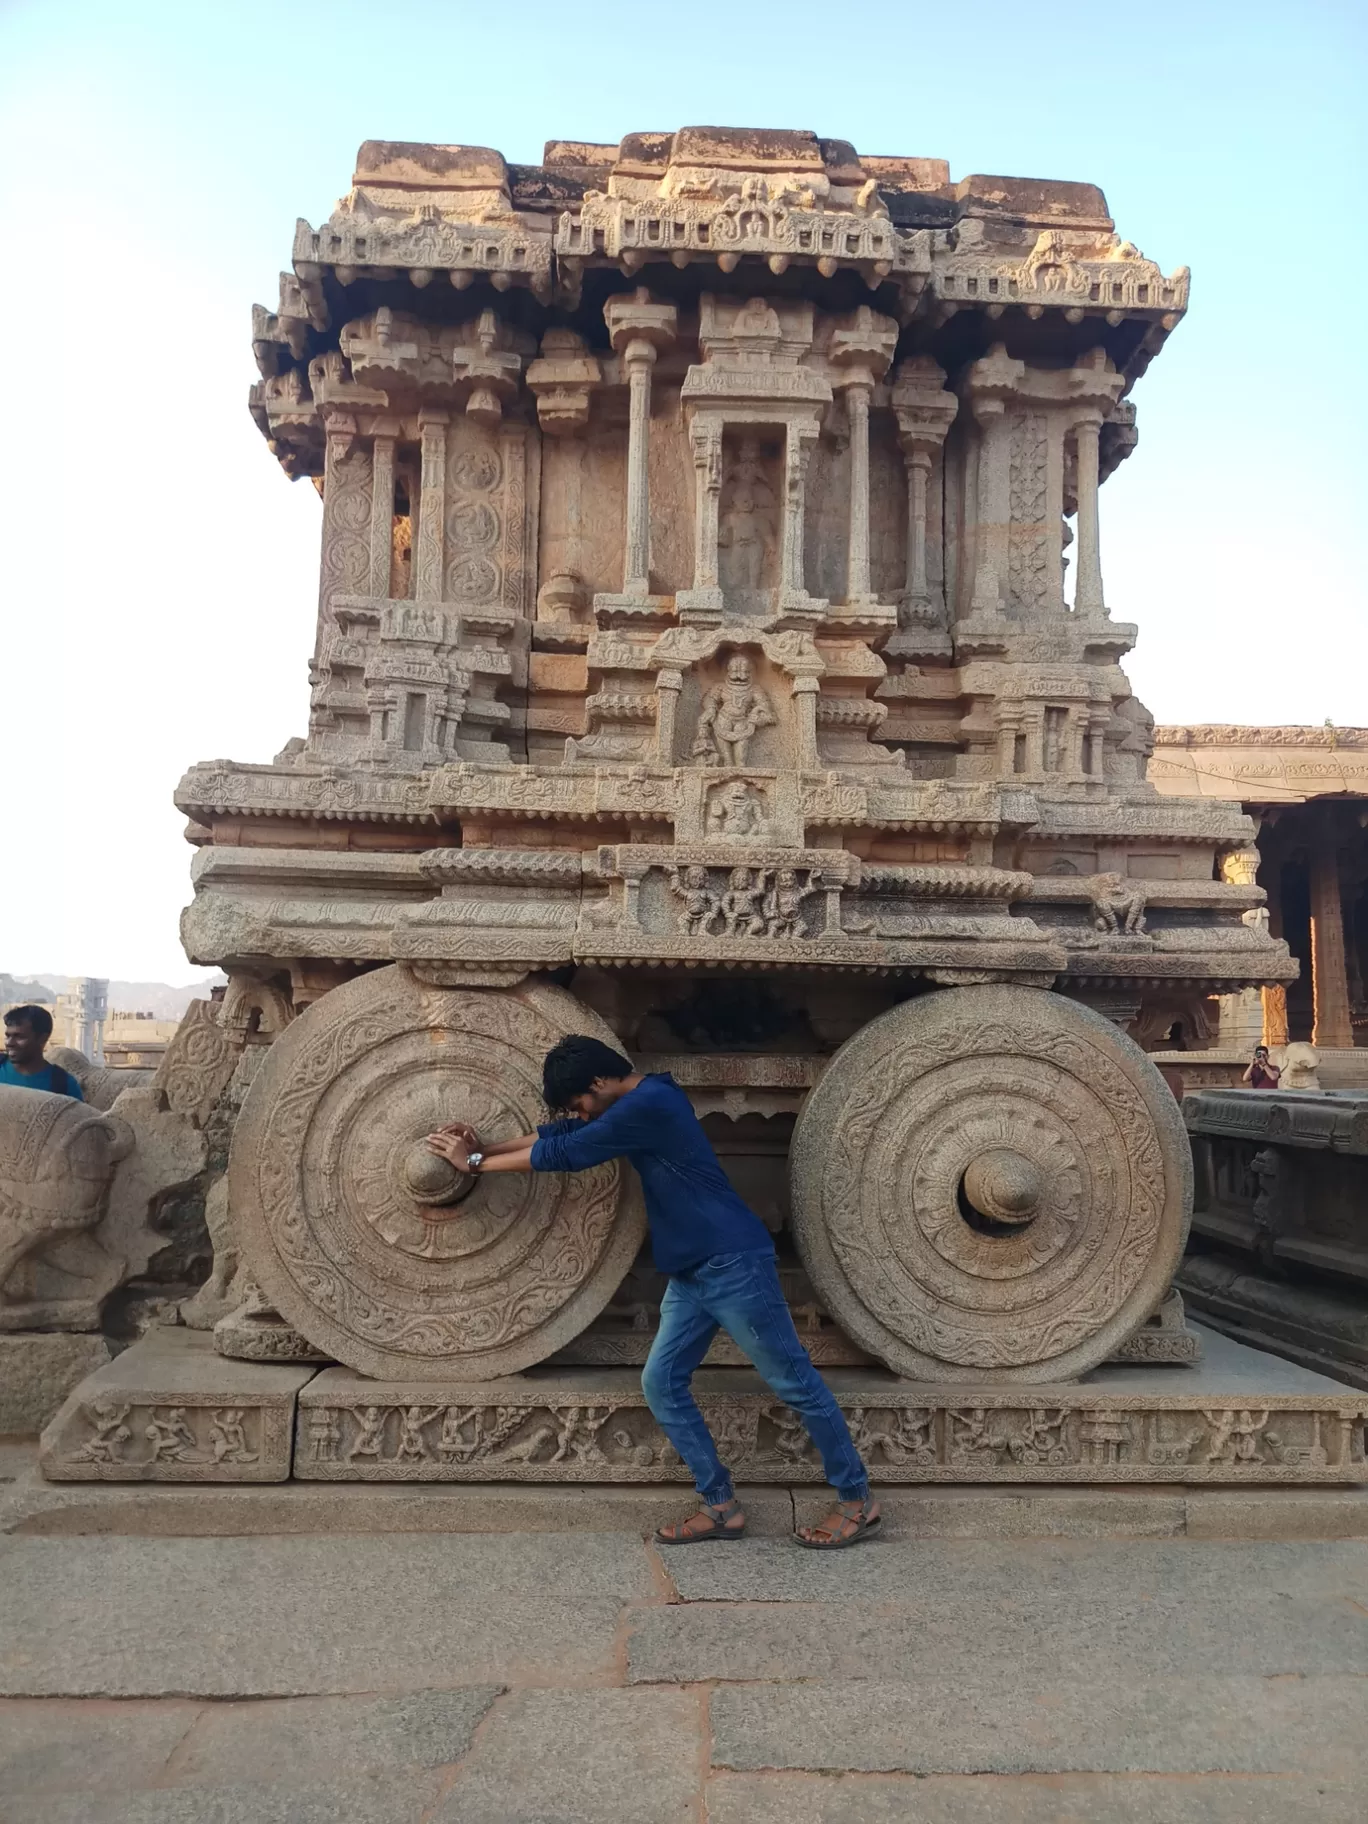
[{"x": 30, "y": 1505}]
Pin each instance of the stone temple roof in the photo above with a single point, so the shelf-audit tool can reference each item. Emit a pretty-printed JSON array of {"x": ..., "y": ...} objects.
[{"x": 947, "y": 259}]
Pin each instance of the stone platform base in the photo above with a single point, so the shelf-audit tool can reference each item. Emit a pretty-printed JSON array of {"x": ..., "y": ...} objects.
[
  {"x": 1314, "y": 1326},
  {"x": 170, "y": 1409}
]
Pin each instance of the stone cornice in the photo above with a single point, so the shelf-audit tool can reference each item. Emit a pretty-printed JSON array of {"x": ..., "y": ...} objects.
[{"x": 1226, "y": 734}]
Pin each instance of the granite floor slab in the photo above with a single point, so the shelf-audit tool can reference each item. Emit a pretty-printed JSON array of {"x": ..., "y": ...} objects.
[
  {"x": 791, "y": 1798},
  {"x": 632, "y": 1757},
  {"x": 301, "y": 1616},
  {"x": 589, "y": 1679},
  {"x": 1177, "y": 1725},
  {"x": 892, "y": 1570},
  {"x": 372, "y": 1799},
  {"x": 322, "y": 1738},
  {"x": 91, "y": 1746},
  {"x": 1104, "y": 1635}
]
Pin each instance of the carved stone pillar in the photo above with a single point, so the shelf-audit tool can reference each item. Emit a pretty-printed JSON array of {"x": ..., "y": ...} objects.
[
  {"x": 990, "y": 569},
  {"x": 918, "y": 457},
  {"x": 669, "y": 683},
  {"x": 858, "y": 395},
  {"x": 639, "y": 360},
  {"x": 925, "y": 412},
  {"x": 382, "y": 514},
  {"x": 1274, "y": 1015},
  {"x": 989, "y": 385},
  {"x": 432, "y": 428},
  {"x": 1035, "y": 741},
  {"x": 1275, "y": 997},
  {"x": 1074, "y": 732},
  {"x": 638, "y": 327},
  {"x": 1088, "y": 600},
  {"x": 1009, "y": 726},
  {"x": 797, "y": 450},
  {"x": 705, "y": 441},
  {"x": 805, "y": 692},
  {"x": 1329, "y": 975},
  {"x": 861, "y": 348},
  {"x": 1097, "y": 750}
]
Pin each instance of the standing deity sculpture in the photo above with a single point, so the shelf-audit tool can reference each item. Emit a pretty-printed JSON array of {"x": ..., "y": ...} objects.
[
  {"x": 733, "y": 714},
  {"x": 746, "y": 532}
]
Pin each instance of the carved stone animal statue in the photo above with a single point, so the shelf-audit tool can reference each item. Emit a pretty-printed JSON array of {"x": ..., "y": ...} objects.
[
  {"x": 57, "y": 1160},
  {"x": 1300, "y": 1067}
]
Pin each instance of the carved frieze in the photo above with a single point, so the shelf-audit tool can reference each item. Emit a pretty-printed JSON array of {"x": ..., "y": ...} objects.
[{"x": 596, "y": 1427}]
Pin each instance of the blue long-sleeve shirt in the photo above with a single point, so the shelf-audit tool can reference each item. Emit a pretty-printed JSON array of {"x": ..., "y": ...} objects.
[{"x": 691, "y": 1207}]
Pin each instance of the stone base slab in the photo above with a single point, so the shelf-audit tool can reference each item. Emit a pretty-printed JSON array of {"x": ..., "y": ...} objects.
[
  {"x": 38, "y": 1369},
  {"x": 1120, "y": 1425},
  {"x": 170, "y": 1410}
]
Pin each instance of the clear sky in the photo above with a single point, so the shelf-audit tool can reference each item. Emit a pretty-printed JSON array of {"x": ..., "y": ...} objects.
[{"x": 159, "y": 573}]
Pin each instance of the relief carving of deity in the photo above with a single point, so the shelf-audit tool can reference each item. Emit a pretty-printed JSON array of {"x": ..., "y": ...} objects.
[
  {"x": 736, "y": 810},
  {"x": 733, "y": 714},
  {"x": 748, "y": 522}
]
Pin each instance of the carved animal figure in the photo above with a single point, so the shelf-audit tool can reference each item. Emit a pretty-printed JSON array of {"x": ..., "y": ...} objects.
[
  {"x": 57, "y": 1160},
  {"x": 1299, "y": 1067},
  {"x": 525, "y": 1450}
]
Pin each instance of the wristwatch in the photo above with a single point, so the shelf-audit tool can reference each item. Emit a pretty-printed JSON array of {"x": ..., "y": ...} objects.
[{"x": 474, "y": 1161}]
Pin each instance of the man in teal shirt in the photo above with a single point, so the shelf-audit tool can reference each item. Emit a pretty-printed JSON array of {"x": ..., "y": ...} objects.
[{"x": 27, "y": 1031}]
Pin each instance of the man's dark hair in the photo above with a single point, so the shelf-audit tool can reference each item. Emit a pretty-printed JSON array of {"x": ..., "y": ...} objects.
[
  {"x": 572, "y": 1065},
  {"x": 37, "y": 1019}
]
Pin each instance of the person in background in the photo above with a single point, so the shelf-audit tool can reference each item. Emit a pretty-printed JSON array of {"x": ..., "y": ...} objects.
[
  {"x": 27, "y": 1031},
  {"x": 719, "y": 1260},
  {"x": 1262, "y": 1074}
]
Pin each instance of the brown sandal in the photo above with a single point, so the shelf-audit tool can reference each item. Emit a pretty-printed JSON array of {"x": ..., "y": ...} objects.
[
  {"x": 714, "y": 1526},
  {"x": 829, "y": 1538}
]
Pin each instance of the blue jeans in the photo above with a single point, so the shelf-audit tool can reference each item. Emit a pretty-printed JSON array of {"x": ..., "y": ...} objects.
[{"x": 741, "y": 1294}]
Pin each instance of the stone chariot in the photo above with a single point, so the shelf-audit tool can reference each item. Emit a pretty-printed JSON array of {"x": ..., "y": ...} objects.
[{"x": 698, "y": 666}]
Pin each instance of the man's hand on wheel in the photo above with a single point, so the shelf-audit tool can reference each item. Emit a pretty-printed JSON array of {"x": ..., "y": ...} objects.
[
  {"x": 453, "y": 1144},
  {"x": 463, "y": 1131}
]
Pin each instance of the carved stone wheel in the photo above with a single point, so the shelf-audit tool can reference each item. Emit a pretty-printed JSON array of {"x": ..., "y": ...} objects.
[
  {"x": 328, "y": 1172},
  {"x": 991, "y": 1184}
]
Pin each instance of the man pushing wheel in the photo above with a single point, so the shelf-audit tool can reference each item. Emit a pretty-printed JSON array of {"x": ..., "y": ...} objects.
[{"x": 719, "y": 1261}]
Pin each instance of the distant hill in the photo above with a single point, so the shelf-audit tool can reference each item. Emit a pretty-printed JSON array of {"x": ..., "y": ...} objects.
[{"x": 160, "y": 999}]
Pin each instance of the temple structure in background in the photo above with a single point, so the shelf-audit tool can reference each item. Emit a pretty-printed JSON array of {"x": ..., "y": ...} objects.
[{"x": 1306, "y": 789}]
